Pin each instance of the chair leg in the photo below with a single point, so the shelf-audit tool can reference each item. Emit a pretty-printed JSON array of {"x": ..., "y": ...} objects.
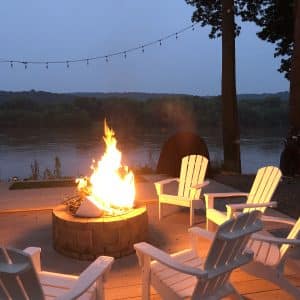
[
  {"x": 146, "y": 278},
  {"x": 99, "y": 289},
  {"x": 160, "y": 213},
  {"x": 211, "y": 226},
  {"x": 145, "y": 290},
  {"x": 192, "y": 216}
]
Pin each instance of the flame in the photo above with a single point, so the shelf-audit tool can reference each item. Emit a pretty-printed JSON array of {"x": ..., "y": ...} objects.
[{"x": 111, "y": 185}]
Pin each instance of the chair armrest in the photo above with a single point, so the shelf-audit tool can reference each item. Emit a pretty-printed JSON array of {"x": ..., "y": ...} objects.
[
  {"x": 287, "y": 221},
  {"x": 159, "y": 184},
  {"x": 35, "y": 254},
  {"x": 200, "y": 185},
  {"x": 232, "y": 208},
  {"x": 165, "y": 181},
  {"x": 275, "y": 240},
  {"x": 210, "y": 197},
  {"x": 145, "y": 249},
  {"x": 226, "y": 195},
  {"x": 90, "y": 275}
]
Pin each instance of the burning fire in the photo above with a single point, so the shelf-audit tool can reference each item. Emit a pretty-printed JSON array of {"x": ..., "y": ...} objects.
[{"x": 111, "y": 185}]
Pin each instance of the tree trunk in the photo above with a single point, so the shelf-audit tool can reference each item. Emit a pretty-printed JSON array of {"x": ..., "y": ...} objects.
[
  {"x": 295, "y": 73},
  {"x": 231, "y": 132}
]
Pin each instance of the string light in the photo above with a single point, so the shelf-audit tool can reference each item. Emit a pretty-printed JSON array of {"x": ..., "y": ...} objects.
[{"x": 101, "y": 57}]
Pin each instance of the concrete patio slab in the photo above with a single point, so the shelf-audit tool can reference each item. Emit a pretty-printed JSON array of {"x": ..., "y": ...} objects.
[{"x": 26, "y": 220}]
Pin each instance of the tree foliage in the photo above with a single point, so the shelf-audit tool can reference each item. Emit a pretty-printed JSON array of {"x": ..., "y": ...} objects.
[
  {"x": 169, "y": 112},
  {"x": 274, "y": 17},
  {"x": 209, "y": 12}
]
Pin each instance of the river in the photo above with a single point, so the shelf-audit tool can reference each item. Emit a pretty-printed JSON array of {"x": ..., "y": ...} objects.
[{"x": 77, "y": 148}]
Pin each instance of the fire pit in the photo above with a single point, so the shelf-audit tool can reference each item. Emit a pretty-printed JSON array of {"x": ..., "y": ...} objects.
[
  {"x": 87, "y": 238},
  {"x": 105, "y": 220}
]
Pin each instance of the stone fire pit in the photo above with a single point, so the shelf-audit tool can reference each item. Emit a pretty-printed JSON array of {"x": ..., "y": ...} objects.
[{"x": 87, "y": 238}]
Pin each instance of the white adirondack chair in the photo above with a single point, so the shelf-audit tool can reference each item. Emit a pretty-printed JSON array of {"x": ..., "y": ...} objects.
[
  {"x": 271, "y": 254},
  {"x": 259, "y": 198},
  {"x": 21, "y": 278},
  {"x": 183, "y": 276},
  {"x": 191, "y": 180}
]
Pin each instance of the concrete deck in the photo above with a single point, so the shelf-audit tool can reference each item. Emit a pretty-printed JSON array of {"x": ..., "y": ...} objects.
[{"x": 25, "y": 220}]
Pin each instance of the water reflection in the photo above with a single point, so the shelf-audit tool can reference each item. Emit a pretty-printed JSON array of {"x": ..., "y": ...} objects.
[{"x": 77, "y": 149}]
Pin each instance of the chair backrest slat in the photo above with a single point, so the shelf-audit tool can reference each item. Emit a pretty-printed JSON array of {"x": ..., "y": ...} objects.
[
  {"x": 4, "y": 295},
  {"x": 263, "y": 187},
  {"x": 23, "y": 285},
  {"x": 292, "y": 235},
  {"x": 200, "y": 172},
  {"x": 11, "y": 285},
  {"x": 183, "y": 175},
  {"x": 227, "y": 251},
  {"x": 192, "y": 172},
  {"x": 191, "y": 161}
]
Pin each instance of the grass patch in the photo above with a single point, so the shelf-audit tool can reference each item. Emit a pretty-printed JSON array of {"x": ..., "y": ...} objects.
[{"x": 36, "y": 184}]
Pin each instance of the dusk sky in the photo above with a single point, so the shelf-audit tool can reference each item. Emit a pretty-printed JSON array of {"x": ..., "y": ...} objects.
[{"x": 73, "y": 29}]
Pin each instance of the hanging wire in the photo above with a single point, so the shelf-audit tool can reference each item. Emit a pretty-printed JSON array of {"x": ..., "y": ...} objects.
[{"x": 106, "y": 56}]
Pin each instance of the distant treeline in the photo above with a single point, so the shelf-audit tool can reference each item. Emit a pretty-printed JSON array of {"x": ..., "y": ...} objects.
[{"x": 166, "y": 112}]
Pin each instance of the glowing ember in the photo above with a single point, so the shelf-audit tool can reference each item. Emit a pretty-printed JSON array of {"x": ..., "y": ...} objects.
[{"x": 111, "y": 186}]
